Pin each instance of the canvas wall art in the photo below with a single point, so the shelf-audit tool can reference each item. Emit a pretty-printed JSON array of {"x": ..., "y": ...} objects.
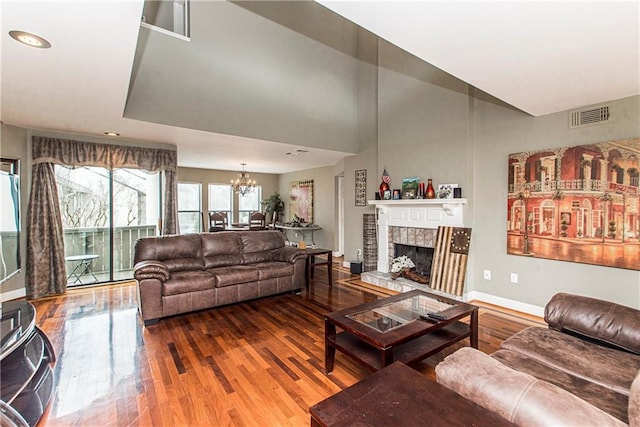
[
  {"x": 301, "y": 200},
  {"x": 578, "y": 204}
]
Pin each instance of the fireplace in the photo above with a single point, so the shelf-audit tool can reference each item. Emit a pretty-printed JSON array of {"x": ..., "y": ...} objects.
[
  {"x": 412, "y": 222},
  {"x": 422, "y": 257}
]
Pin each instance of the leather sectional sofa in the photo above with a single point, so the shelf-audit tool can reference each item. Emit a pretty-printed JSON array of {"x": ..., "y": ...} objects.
[
  {"x": 183, "y": 273},
  {"x": 581, "y": 371}
]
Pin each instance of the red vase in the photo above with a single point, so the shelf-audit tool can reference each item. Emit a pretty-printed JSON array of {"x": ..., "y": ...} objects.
[
  {"x": 430, "y": 194},
  {"x": 383, "y": 187}
]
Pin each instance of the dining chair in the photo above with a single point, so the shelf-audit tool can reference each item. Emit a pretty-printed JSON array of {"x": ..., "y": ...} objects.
[
  {"x": 257, "y": 221},
  {"x": 217, "y": 221}
]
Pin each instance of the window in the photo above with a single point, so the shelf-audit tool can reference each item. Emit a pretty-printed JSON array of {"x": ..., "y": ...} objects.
[
  {"x": 103, "y": 214},
  {"x": 189, "y": 213},
  {"x": 220, "y": 199},
  {"x": 249, "y": 203}
]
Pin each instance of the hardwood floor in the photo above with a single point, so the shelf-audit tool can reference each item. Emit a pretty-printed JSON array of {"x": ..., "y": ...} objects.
[{"x": 255, "y": 363}]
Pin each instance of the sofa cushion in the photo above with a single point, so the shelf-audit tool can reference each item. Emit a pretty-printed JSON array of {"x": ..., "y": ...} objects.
[
  {"x": 594, "y": 318},
  {"x": 611, "y": 368},
  {"x": 187, "y": 281},
  {"x": 258, "y": 246},
  {"x": 221, "y": 249},
  {"x": 178, "y": 253},
  {"x": 634, "y": 402},
  {"x": 271, "y": 270},
  {"x": 233, "y": 275},
  {"x": 608, "y": 400},
  {"x": 516, "y": 396}
]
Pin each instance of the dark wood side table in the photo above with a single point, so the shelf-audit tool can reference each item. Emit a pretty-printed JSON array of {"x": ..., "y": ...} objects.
[
  {"x": 400, "y": 396},
  {"x": 312, "y": 262}
]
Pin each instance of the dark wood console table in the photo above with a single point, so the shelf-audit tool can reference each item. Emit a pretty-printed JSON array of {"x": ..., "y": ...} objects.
[{"x": 25, "y": 357}]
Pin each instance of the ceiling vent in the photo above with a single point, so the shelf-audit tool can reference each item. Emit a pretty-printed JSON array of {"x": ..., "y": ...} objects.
[{"x": 593, "y": 116}]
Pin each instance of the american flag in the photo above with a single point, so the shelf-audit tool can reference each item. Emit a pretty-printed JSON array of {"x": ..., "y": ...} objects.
[{"x": 385, "y": 177}]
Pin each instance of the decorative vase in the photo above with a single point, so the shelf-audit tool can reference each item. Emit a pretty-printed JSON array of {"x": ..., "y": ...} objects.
[
  {"x": 421, "y": 191},
  {"x": 430, "y": 193},
  {"x": 384, "y": 185}
]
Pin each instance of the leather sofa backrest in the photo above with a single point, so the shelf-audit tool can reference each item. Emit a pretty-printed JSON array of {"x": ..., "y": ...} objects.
[
  {"x": 600, "y": 320},
  {"x": 257, "y": 246},
  {"x": 178, "y": 253},
  {"x": 221, "y": 249}
]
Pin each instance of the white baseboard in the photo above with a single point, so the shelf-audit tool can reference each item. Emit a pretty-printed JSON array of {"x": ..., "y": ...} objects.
[
  {"x": 346, "y": 264},
  {"x": 504, "y": 302},
  {"x": 15, "y": 294}
]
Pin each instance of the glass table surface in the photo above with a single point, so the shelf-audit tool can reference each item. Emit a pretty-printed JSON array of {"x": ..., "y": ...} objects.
[{"x": 395, "y": 314}]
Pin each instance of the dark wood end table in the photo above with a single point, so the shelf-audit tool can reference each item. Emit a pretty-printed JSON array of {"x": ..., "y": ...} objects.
[
  {"x": 311, "y": 262},
  {"x": 380, "y": 332},
  {"x": 400, "y": 396}
]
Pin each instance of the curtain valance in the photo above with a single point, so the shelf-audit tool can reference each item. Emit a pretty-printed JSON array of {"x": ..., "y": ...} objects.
[{"x": 81, "y": 153}]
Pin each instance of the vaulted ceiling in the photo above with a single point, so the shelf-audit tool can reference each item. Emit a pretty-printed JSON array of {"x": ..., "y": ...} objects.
[{"x": 541, "y": 57}]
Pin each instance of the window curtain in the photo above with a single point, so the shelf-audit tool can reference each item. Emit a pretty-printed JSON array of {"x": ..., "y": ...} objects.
[{"x": 46, "y": 273}]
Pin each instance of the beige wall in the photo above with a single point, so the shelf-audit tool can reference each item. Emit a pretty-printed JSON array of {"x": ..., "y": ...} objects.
[
  {"x": 500, "y": 131},
  {"x": 434, "y": 126},
  {"x": 268, "y": 182},
  {"x": 324, "y": 202}
]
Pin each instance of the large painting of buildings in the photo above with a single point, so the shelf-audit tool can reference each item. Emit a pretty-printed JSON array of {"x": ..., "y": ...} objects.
[{"x": 578, "y": 204}]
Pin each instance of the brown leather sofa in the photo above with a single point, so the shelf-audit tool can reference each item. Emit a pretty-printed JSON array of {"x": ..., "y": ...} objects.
[
  {"x": 584, "y": 370},
  {"x": 179, "y": 274}
]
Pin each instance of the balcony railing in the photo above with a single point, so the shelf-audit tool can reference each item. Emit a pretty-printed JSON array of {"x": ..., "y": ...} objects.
[
  {"x": 95, "y": 241},
  {"x": 574, "y": 185}
]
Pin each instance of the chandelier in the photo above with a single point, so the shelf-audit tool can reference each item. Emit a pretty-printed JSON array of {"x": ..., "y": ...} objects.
[{"x": 243, "y": 185}]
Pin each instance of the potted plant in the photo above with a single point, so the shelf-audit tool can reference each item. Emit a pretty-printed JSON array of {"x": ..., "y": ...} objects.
[
  {"x": 274, "y": 205},
  {"x": 612, "y": 229}
]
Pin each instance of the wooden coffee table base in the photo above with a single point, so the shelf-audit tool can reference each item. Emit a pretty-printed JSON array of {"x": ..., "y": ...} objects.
[
  {"x": 399, "y": 396},
  {"x": 408, "y": 343}
]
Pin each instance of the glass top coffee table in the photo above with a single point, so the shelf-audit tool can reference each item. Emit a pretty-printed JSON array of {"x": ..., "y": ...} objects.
[{"x": 407, "y": 327}]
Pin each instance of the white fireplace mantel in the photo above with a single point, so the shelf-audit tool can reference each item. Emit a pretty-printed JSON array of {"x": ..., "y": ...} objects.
[{"x": 415, "y": 213}]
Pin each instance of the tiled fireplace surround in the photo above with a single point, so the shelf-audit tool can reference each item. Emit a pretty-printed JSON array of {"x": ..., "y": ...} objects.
[{"x": 413, "y": 223}]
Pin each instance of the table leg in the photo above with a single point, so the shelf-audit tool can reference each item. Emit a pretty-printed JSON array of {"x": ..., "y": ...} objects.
[
  {"x": 329, "y": 349},
  {"x": 474, "y": 329},
  {"x": 312, "y": 263},
  {"x": 330, "y": 266},
  {"x": 306, "y": 271},
  {"x": 386, "y": 356}
]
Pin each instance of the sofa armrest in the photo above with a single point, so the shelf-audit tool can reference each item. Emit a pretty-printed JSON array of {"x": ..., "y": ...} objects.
[
  {"x": 288, "y": 254},
  {"x": 151, "y": 270},
  {"x": 514, "y": 395},
  {"x": 601, "y": 320},
  {"x": 634, "y": 402}
]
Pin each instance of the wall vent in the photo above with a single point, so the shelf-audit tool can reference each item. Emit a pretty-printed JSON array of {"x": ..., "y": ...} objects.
[{"x": 589, "y": 117}]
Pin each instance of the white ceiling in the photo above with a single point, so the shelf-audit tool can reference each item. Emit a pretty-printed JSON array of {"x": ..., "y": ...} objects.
[{"x": 541, "y": 57}]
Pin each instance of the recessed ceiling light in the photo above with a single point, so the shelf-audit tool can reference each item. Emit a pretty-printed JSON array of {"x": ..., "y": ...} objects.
[
  {"x": 30, "y": 39},
  {"x": 112, "y": 133}
]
